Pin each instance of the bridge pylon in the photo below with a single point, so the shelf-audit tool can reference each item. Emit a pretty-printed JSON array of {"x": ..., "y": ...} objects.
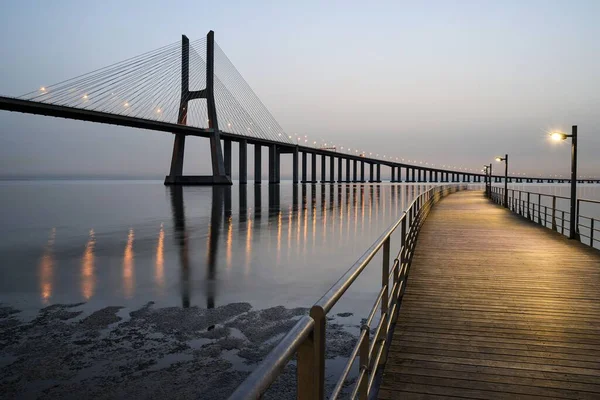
[{"x": 219, "y": 176}]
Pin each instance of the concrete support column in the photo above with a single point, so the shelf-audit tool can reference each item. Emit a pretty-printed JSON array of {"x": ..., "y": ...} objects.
[
  {"x": 354, "y": 170},
  {"x": 393, "y": 179},
  {"x": 272, "y": 163},
  {"x": 243, "y": 167},
  {"x": 371, "y": 177},
  {"x": 313, "y": 171},
  {"x": 331, "y": 169},
  {"x": 362, "y": 171},
  {"x": 323, "y": 168},
  {"x": 227, "y": 156},
  {"x": 294, "y": 166},
  {"x": 340, "y": 169},
  {"x": 304, "y": 167},
  {"x": 348, "y": 178},
  {"x": 257, "y": 164},
  {"x": 378, "y": 172},
  {"x": 420, "y": 177}
]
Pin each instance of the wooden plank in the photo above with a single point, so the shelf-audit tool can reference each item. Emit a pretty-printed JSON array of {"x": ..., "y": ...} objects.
[{"x": 496, "y": 307}]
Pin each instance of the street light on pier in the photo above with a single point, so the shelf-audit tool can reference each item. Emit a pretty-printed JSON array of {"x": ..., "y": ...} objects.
[
  {"x": 559, "y": 137},
  {"x": 505, "y": 159}
]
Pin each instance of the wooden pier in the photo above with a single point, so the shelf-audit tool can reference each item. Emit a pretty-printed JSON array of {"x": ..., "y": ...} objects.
[{"x": 496, "y": 307}]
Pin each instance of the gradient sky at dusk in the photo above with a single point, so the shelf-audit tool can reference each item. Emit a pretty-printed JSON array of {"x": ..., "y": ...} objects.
[{"x": 444, "y": 82}]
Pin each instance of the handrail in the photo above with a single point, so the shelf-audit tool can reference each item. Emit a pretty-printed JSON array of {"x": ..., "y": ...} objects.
[
  {"x": 533, "y": 211},
  {"x": 307, "y": 338}
]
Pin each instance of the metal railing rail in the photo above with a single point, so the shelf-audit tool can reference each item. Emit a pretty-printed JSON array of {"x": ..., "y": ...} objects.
[
  {"x": 530, "y": 206},
  {"x": 306, "y": 339}
]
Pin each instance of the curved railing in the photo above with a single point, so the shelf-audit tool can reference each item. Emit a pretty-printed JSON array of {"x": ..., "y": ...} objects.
[
  {"x": 543, "y": 209},
  {"x": 307, "y": 339}
]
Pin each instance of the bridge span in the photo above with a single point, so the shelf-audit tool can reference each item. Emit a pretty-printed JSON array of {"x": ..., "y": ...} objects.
[{"x": 192, "y": 89}]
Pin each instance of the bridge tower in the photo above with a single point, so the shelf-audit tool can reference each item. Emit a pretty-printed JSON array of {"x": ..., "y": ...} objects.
[{"x": 219, "y": 176}]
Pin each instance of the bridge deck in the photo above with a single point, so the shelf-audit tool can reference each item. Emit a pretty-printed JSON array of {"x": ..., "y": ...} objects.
[{"x": 496, "y": 308}]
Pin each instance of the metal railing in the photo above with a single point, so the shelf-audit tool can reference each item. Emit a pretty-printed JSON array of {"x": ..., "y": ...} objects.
[
  {"x": 306, "y": 339},
  {"x": 542, "y": 208}
]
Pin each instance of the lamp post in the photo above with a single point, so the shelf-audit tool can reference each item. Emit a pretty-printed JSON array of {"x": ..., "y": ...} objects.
[
  {"x": 485, "y": 176},
  {"x": 559, "y": 136},
  {"x": 505, "y": 159},
  {"x": 490, "y": 169}
]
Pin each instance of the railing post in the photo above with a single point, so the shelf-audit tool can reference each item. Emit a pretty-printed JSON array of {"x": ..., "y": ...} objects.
[
  {"x": 592, "y": 233},
  {"x": 402, "y": 256},
  {"x": 554, "y": 213},
  {"x": 562, "y": 224},
  {"x": 528, "y": 206},
  {"x": 318, "y": 390},
  {"x": 540, "y": 208},
  {"x": 577, "y": 221},
  {"x": 306, "y": 367},
  {"x": 385, "y": 299},
  {"x": 363, "y": 355}
]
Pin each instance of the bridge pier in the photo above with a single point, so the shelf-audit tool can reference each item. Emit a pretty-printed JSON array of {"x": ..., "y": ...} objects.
[
  {"x": 274, "y": 156},
  {"x": 219, "y": 174},
  {"x": 304, "y": 167},
  {"x": 371, "y": 165},
  {"x": 378, "y": 172},
  {"x": 257, "y": 164},
  {"x": 313, "y": 170},
  {"x": 227, "y": 156},
  {"x": 348, "y": 176},
  {"x": 331, "y": 169},
  {"x": 393, "y": 177},
  {"x": 340, "y": 169},
  {"x": 323, "y": 167},
  {"x": 354, "y": 170},
  {"x": 243, "y": 164},
  {"x": 362, "y": 172},
  {"x": 295, "y": 166}
]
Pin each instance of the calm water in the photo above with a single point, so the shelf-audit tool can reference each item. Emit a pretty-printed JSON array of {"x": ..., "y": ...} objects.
[
  {"x": 224, "y": 267},
  {"x": 130, "y": 242}
]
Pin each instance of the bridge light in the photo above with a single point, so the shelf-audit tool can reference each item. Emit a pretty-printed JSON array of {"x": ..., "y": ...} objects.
[
  {"x": 498, "y": 159},
  {"x": 288, "y": 136},
  {"x": 126, "y": 104},
  {"x": 43, "y": 89},
  {"x": 558, "y": 136},
  {"x": 229, "y": 124},
  {"x": 85, "y": 96},
  {"x": 158, "y": 110}
]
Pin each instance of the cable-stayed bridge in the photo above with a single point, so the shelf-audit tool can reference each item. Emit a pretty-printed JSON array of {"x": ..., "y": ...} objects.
[{"x": 192, "y": 89}]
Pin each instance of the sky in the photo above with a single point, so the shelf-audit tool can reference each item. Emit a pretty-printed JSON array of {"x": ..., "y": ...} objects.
[{"x": 443, "y": 82}]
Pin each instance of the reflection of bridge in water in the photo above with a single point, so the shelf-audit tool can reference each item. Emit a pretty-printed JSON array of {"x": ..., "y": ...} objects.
[{"x": 337, "y": 212}]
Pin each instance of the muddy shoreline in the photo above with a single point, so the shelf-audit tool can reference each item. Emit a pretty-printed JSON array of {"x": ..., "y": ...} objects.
[{"x": 172, "y": 352}]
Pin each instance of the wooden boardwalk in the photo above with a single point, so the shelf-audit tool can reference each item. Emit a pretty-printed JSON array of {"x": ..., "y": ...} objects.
[{"x": 496, "y": 307}]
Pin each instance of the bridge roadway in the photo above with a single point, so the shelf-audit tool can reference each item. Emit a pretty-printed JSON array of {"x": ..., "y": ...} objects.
[
  {"x": 350, "y": 168},
  {"x": 496, "y": 307}
]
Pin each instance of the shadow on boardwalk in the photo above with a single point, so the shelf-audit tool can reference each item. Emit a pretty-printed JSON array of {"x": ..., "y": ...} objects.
[{"x": 496, "y": 307}]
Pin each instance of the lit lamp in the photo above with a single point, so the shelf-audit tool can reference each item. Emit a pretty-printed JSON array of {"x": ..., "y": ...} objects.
[
  {"x": 559, "y": 137},
  {"x": 505, "y": 159}
]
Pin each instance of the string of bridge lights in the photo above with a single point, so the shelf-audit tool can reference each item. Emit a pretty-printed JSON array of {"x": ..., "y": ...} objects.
[{"x": 325, "y": 145}]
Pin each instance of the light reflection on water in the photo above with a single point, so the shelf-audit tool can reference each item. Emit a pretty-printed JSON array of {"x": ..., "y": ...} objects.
[{"x": 127, "y": 243}]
